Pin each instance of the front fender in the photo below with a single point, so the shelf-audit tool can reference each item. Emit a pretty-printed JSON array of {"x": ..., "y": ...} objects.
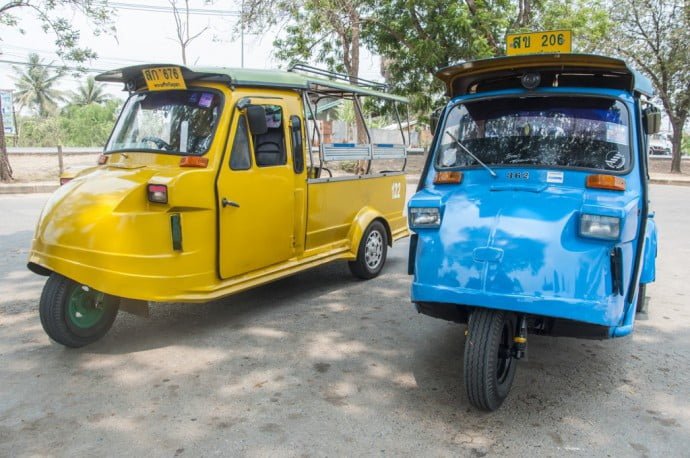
[
  {"x": 359, "y": 225},
  {"x": 650, "y": 250}
]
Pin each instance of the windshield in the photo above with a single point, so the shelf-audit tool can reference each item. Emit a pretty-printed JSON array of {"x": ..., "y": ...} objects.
[
  {"x": 173, "y": 122},
  {"x": 585, "y": 132}
]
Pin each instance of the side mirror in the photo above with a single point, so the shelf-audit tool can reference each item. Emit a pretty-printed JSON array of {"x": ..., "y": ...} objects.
[
  {"x": 256, "y": 115},
  {"x": 651, "y": 119},
  {"x": 433, "y": 119}
]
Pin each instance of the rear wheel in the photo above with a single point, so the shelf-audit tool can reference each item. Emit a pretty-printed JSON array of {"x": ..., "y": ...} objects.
[
  {"x": 489, "y": 363},
  {"x": 372, "y": 251},
  {"x": 75, "y": 315}
]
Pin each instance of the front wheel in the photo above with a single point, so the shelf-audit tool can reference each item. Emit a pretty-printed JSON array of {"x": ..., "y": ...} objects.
[
  {"x": 372, "y": 251},
  {"x": 489, "y": 363},
  {"x": 75, "y": 315}
]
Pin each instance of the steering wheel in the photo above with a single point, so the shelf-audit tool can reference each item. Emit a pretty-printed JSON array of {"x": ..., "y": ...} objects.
[{"x": 159, "y": 142}]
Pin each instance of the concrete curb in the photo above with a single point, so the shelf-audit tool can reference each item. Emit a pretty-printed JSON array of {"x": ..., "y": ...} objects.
[
  {"x": 670, "y": 181},
  {"x": 27, "y": 188}
]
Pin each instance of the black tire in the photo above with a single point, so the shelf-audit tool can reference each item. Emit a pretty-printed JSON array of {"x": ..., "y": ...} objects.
[
  {"x": 489, "y": 367},
  {"x": 56, "y": 312},
  {"x": 642, "y": 303},
  {"x": 372, "y": 252}
]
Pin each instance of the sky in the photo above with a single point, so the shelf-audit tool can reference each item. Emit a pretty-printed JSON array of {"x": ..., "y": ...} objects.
[{"x": 149, "y": 36}]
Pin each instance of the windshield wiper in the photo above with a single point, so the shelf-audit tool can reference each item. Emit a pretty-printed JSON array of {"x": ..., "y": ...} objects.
[{"x": 464, "y": 148}]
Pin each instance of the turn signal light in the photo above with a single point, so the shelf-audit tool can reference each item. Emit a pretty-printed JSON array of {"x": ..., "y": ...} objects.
[
  {"x": 157, "y": 193},
  {"x": 194, "y": 161},
  {"x": 609, "y": 182},
  {"x": 448, "y": 178},
  {"x": 64, "y": 180},
  {"x": 102, "y": 159}
]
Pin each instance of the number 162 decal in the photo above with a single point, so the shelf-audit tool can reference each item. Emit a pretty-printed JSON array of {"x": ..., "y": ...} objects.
[{"x": 395, "y": 191}]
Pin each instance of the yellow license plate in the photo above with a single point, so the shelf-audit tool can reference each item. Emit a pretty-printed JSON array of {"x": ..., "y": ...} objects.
[
  {"x": 164, "y": 78},
  {"x": 553, "y": 41}
]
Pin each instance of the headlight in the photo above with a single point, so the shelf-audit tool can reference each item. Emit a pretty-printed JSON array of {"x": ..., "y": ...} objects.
[
  {"x": 423, "y": 217},
  {"x": 600, "y": 227}
]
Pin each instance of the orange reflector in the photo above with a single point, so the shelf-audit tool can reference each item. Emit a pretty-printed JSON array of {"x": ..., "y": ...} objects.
[
  {"x": 606, "y": 182},
  {"x": 448, "y": 178},
  {"x": 102, "y": 159},
  {"x": 194, "y": 161}
]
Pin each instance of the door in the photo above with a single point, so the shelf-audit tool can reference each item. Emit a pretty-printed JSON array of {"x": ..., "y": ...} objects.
[{"x": 256, "y": 195}]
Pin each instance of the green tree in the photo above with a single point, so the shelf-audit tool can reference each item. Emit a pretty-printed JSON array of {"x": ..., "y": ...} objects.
[
  {"x": 416, "y": 38},
  {"x": 75, "y": 125},
  {"x": 88, "y": 125},
  {"x": 67, "y": 38},
  {"x": 35, "y": 86},
  {"x": 328, "y": 31},
  {"x": 38, "y": 131},
  {"x": 655, "y": 35},
  {"x": 89, "y": 92}
]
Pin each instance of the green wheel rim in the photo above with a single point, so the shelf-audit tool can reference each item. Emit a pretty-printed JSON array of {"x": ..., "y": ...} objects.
[{"x": 86, "y": 307}]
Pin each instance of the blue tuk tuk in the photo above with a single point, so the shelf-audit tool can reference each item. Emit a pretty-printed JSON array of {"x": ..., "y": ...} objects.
[{"x": 532, "y": 214}]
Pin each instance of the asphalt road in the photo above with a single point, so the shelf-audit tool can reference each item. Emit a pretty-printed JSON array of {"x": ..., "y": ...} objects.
[{"x": 320, "y": 364}]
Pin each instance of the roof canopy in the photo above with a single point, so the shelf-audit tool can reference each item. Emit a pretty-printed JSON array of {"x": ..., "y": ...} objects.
[
  {"x": 464, "y": 78},
  {"x": 133, "y": 78}
]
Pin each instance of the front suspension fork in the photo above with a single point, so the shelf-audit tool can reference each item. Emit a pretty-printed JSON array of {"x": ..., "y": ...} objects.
[{"x": 519, "y": 349}]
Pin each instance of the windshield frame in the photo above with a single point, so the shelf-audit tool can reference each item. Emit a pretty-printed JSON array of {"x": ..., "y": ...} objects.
[
  {"x": 221, "y": 107},
  {"x": 521, "y": 95}
]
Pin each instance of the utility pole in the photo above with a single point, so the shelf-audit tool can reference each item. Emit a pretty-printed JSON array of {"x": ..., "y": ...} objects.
[
  {"x": 5, "y": 168},
  {"x": 242, "y": 35}
]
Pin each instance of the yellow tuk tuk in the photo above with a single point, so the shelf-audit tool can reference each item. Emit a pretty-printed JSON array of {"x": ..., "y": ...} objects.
[{"x": 211, "y": 183}]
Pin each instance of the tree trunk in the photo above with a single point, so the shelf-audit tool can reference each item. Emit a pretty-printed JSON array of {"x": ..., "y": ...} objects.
[
  {"x": 352, "y": 66},
  {"x": 677, "y": 125},
  {"x": 5, "y": 168}
]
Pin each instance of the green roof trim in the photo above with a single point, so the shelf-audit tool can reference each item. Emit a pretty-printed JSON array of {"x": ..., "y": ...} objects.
[{"x": 133, "y": 77}]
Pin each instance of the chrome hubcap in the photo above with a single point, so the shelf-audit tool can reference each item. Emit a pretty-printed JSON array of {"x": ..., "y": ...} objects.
[{"x": 373, "y": 253}]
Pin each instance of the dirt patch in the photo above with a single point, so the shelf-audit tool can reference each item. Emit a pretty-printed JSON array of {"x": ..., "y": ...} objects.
[{"x": 45, "y": 167}]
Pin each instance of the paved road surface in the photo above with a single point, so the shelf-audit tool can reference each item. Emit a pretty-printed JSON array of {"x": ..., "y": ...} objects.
[{"x": 321, "y": 364}]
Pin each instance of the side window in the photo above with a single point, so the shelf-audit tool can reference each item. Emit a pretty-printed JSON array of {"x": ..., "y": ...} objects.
[
  {"x": 240, "y": 158},
  {"x": 269, "y": 148},
  {"x": 297, "y": 143}
]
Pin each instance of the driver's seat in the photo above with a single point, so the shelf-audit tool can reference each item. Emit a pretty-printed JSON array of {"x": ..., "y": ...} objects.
[{"x": 270, "y": 148}]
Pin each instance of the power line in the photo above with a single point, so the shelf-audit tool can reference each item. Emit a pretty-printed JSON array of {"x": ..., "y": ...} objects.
[
  {"x": 57, "y": 67},
  {"x": 51, "y": 53},
  {"x": 169, "y": 9}
]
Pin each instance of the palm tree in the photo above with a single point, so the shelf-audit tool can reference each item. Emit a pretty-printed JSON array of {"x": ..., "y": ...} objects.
[
  {"x": 35, "y": 86},
  {"x": 89, "y": 92}
]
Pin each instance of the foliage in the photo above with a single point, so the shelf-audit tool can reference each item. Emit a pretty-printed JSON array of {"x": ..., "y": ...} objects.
[
  {"x": 654, "y": 35},
  {"x": 327, "y": 31},
  {"x": 38, "y": 131},
  {"x": 75, "y": 125},
  {"x": 89, "y": 92},
  {"x": 35, "y": 87},
  {"x": 67, "y": 38},
  {"x": 416, "y": 38}
]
